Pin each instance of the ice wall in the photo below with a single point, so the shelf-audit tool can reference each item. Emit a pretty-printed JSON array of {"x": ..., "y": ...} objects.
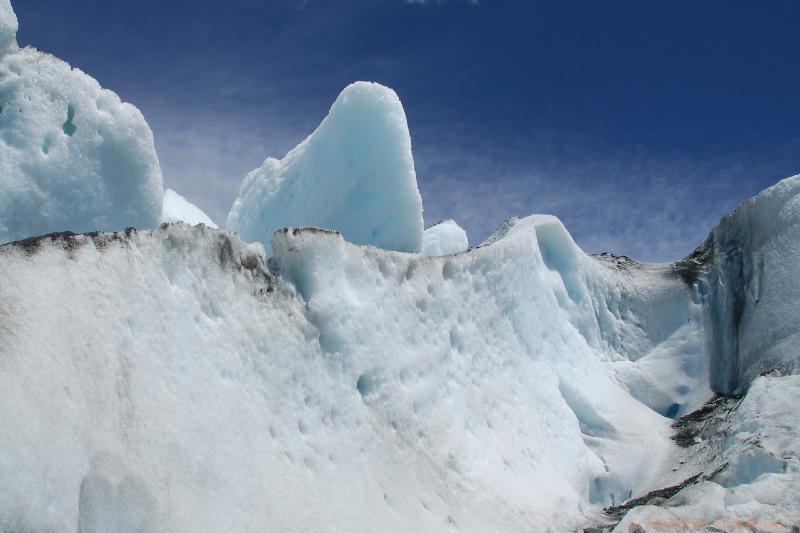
[
  {"x": 746, "y": 273},
  {"x": 518, "y": 386},
  {"x": 354, "y": 174},
  {"x": 72, "y": 155},
  {"x": 190, "y": 388}
]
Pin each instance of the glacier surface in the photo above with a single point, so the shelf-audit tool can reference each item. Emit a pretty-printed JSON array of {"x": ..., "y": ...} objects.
[
  {"x": 354, "y": 174},
  {"x": 444, "y": 238},
  {"x": 192, "y": 384},
  {"x": 72, "y": 155}
]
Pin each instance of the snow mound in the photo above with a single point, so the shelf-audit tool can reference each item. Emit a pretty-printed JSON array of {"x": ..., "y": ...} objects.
[
  {"x": 444, "y": 238},
  {"x": 8, "y": 26},
  {"x": 354, "y": 174},
  {"x": 179, "y": 209},
  {"x": 72, "y": 155}
]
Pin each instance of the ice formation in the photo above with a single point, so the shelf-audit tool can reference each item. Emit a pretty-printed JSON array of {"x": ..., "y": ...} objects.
[
  {"x": 72, "y": 155},
  {"x": 179, "y": 209},
  {"x": 520, "y": 386},
  {"x": 444, "y": 238},
  {"x": 354, "y": 174},
  {"x": 181, "y": 379},
  {"x": 8, "y": 26}
]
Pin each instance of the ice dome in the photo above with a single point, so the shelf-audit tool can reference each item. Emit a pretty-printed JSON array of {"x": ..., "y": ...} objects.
[
  {"x": 72, "y": 155},
  {"x": 354, "y": 174}
]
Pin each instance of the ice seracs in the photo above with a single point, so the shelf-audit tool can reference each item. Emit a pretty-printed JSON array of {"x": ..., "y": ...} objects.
[
  {"x": 354, "y": 174},
  {"x": 179, "y": 209},
  {"x": 444, "y": 238},
  {"x": 72, "y": 155}
]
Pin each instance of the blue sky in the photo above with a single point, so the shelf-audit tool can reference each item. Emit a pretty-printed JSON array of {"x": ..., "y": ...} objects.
[{"x": 638, "y": 123}]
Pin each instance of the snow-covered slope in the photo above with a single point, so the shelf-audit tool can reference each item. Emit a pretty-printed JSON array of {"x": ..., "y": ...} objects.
[
  {"x": 354, "y": 174},
  {"x": 72, "y": 155},
  {"x": 444, "y": 238},
  {"x": 179, "y": 209},
  {"x": 517, "y": 387}
]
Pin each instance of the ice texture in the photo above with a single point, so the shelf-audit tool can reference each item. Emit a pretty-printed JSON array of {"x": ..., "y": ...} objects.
[
  {"x": 72, "y": 155},
  {"x": 179, "y": 209},
  {"x": 520, "y": 386},
  {"x": 8, "y": 26},
  {"x": 747, "y": 270},
  {"x": 354, "y": 174},
  {"x": 444, "y": 238}
]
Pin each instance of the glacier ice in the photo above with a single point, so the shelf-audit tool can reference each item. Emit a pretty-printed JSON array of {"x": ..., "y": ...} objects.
[
  {"x": 179, "y": 209},
  {"x": 354, "y": 174},
  {"x": 72, "y": 155},
  {"x": 444, "y": 238},
  {"x": 518, "y": 386},
  {"x": 754, "y": 316},
  {"x": 8, "y": 26},
  {"x": 321, "y": 378}
]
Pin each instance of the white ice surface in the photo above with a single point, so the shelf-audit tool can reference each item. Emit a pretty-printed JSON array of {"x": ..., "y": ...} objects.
[
  {"x": 72, "y": 155},
  {"x": 444, "y": 238},
  {"x": 179, "y": 209},
  {"x": 354, "y": 174},
  {"x": 517, "y": 387},
  {"x": 364, "y": 390}
]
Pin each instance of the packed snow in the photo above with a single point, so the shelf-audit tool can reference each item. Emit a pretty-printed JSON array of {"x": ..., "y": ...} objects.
[
  {"x": 354, "y": 174},
  {"x": 444, "y": 238},
  {"x": 179, "y": 209},
  {"x": 72, "y": 155}
]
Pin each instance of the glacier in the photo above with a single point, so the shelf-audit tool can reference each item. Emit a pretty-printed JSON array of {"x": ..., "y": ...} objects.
[
  {"x": 194, "y": 383},
  {"x": 444, "y": 238},
  {"x": 354, "y": 173},
  {"x": 72, "y": 155},
  {"x": 324, "y": 363}
]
